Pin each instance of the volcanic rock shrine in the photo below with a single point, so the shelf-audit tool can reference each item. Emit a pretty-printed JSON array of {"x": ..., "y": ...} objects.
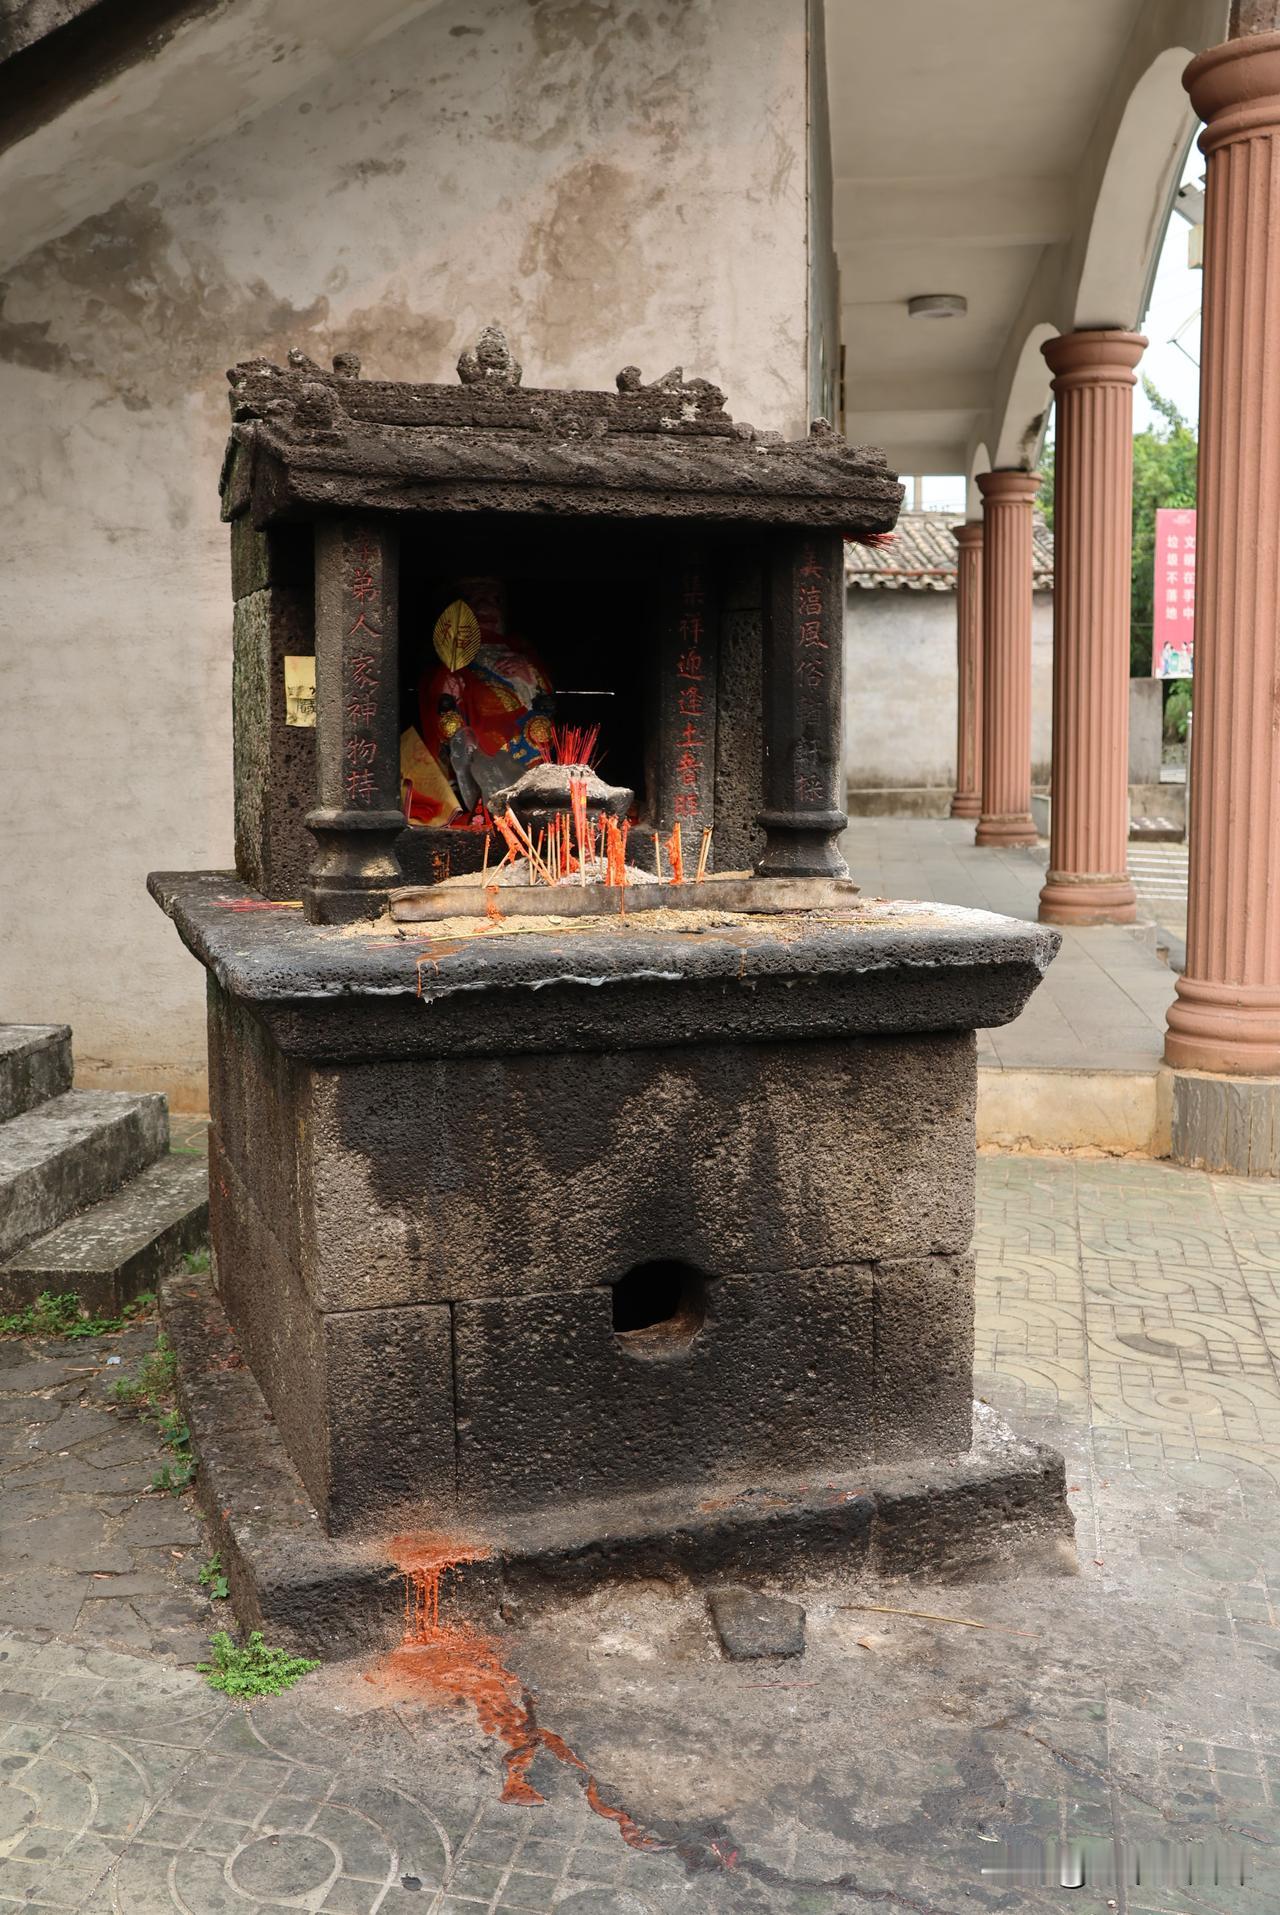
[{"x": 585, "y": 1153}]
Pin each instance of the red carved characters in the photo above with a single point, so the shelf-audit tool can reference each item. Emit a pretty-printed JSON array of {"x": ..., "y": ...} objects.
[{"x": 687, "y": 765}]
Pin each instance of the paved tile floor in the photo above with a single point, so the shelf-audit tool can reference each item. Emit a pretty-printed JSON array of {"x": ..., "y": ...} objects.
[
  {"x": 1103, "y": 1002},
  {"x": 1128, "y": 1313}
]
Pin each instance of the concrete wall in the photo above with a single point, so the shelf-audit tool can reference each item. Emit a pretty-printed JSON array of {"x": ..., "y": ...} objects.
[
  {"x": 900, "y": 689},
  {"x": 1146, "y": 730},
  {"x": 614, "y": 182}
]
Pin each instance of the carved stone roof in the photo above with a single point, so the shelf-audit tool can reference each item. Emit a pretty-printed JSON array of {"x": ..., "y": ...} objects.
[{"x": 306, "y": 442}]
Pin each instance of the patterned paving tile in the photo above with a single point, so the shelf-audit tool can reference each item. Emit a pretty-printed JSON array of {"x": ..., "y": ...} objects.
[
  {"x": 1168, "y": 1314},
  {"x": 1129, "y": 1314}
]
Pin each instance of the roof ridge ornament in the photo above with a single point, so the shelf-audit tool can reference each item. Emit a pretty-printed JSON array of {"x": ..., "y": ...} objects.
[{"x": 490, "y": 362}]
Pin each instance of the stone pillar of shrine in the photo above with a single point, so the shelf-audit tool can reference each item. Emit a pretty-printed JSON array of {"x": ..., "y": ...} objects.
[
  {"x": 357, "y": 818},
  {"x": 967, "y": 800},
  {"x": 1007, "y": 498},
  {"x": 1088, "y": 879},
  {"x": 1226, "y": 1017},
  {"x": 804, "y": 811}
]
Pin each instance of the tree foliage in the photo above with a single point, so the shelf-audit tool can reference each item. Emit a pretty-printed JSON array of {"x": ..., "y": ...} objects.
[{"x": 1164, "y": 474}]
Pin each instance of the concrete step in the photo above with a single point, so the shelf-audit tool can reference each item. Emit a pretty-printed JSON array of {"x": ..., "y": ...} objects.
[
  {"x": 119, "y": 1246},
  {"x": 71, "y": 1150},
  {"x": 35, "y": 1064}
]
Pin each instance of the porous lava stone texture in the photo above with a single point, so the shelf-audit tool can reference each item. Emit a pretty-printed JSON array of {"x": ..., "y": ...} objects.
[{"x": 446, "y": 1173}]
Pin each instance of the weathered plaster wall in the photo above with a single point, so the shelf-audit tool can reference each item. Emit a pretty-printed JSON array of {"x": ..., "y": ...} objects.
[
  {"x": 617, "y": 182},
  {"x": 900, "y": 689}
]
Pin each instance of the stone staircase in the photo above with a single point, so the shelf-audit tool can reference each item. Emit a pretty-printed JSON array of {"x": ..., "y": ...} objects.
[{"x": 90, "y": 1199}]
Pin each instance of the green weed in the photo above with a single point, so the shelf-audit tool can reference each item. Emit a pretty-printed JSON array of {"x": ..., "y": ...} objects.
[
  {"x": 195, "y": 1262},
  {"x": 173, "y": 1478},
  {"x": 153, "y": 1385},
  {"x": 251, "y": 1669},
  {"x": 212, "y": 1578},
  {"x": 176, "y": 1437},
  {"x": 150, "y": 1394},
  {"x": 63, "y": 1316}
]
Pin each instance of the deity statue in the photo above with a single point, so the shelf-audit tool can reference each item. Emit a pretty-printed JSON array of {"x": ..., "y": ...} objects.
[{"x": 485, "y": 711}]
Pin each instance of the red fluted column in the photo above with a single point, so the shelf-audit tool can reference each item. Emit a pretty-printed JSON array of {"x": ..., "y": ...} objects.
[
  {"x": 1088, "y": 880},
  {"x": 967, "y": 802},
  {"x": 1227, "y": 1013},
  {"x": 1007, "y": 499}
]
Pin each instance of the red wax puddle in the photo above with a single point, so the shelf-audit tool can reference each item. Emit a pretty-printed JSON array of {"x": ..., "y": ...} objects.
[{"x": 455, "y": 1662}]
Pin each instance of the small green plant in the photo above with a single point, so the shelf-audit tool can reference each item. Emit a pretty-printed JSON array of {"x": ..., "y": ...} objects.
[
  {"x": 173, "y": 1478},
  {"x": 150, "y": 1394},
  {"x": 195, "y": 1262},
  {"x": 63, "y": 1316},
  {"x": 176, "y": 1437},
  {"x": 153, "y": 1385},
  {"x": 212, "y": 1578},
  {"x": 252, "y": 1669}
]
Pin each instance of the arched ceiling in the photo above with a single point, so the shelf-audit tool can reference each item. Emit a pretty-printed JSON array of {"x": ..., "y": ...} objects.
[{"x": 1021, "y": 153}]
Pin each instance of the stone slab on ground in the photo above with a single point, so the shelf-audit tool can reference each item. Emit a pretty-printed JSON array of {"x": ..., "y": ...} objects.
[
  {"x": 1126, "y": 1314},
  {"x": 953, "y": 1515},
  {"x": 35, "y": 1063},
  {"x": 119, "y": 1246},
  {"x": 88, "y": 1548},
  {"x": 70, "y": 1151},
  {"x": 751, "y": 1625}
]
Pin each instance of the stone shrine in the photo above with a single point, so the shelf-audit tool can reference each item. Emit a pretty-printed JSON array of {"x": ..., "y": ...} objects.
[{"x": 561, "y": 1197}]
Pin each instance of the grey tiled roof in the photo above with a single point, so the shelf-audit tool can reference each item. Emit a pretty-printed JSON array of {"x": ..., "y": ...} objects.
[{"x": 922, "y": 556}]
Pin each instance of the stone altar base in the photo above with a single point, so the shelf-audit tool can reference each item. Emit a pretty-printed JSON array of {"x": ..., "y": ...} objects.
[
  {"x": 998, "y": 1508},
  {"x": 521, "y": 1228}
]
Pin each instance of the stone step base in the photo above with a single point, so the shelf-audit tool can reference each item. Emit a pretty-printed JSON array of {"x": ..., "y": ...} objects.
[
  {"x": 119, "y": 1246},
  {"x": 1000, "y": 1506},
  {"x": 1227, "y": 1124},
  {"x": 35, "y": 1064},
  {"x": 1121, "y": 1112},
  {"x": 70, "y": 1151},
  {"x": 1155, "y": 831}
]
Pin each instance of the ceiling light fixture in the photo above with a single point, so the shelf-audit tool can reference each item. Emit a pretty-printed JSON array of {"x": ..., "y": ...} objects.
[{"x": 938, "y": 306}]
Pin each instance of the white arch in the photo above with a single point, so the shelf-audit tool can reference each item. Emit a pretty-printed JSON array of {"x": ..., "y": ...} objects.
[
  {"x": 979, "y": 462},
  {"x": 1027, "y": 407},
  {"x": 1129, "y": 215}
]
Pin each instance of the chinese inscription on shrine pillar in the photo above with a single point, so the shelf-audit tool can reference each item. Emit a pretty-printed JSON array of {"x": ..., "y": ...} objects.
[
  {"x": 812, "y": 667},
  {"x": 687, "y": 759},
  {"x": 357, "y": 702}
]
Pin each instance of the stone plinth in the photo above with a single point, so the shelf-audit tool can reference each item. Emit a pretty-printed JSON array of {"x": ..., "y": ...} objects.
[{"x": 504, "y": 1221}]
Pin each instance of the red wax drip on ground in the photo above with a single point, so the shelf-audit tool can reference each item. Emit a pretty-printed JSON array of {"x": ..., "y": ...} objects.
[{"x": 455, "y": 1662}]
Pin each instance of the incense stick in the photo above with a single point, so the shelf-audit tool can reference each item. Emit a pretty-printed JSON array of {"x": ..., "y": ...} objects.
[
  {"x": 701, "y": 872},
  {"x": 675, "y": 852}
]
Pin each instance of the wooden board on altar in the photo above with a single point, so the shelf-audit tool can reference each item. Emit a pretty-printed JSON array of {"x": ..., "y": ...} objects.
[{"x": 728, "y": 891}]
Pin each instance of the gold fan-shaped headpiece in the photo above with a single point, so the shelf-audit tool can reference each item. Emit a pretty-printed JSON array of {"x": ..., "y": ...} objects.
[{"x": 457, "y": 635}]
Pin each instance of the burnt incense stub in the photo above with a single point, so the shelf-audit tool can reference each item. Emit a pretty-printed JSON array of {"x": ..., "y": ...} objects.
[{"x": 578, "y": 1134}]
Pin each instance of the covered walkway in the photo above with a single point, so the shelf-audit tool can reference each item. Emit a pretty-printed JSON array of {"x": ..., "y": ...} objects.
[{"x": 1083, "y": 1065}]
